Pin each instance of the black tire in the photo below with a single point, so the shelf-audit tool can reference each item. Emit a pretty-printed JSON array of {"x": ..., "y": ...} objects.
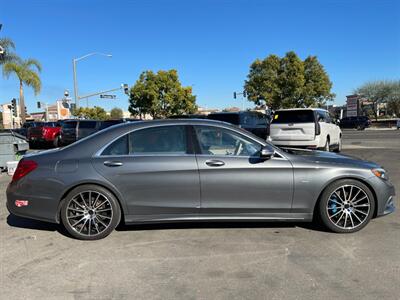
[
  {"x": 329, "y": 221},
  {"x": 327, "y": 145},
  {"x": 57, "y": 142},
  {"x": 339, "y": 146},
  {"x": 89, "y": 223}
]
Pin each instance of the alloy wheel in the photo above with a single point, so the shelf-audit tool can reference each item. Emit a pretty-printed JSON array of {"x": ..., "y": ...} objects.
[
  {"x": 348, "y": 207},
  {"x": 89, "y": 213}
]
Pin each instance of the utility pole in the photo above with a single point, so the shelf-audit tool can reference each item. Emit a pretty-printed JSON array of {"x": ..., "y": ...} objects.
[{"x": 74, "y": 61}]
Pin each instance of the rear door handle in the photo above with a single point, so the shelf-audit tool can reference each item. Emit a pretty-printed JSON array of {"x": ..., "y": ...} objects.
[
  {"x": 109, "y": 163},
  {"x": 215, "y": 163}
]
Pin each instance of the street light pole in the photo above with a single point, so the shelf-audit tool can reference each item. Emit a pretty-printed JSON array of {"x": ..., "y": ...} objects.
[
  {"x": 74, "y": 61},
  {"x": 75, "y": 84}
]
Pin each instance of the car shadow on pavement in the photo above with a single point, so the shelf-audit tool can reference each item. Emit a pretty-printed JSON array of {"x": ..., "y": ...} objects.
[
  {"x": 221, "y": 225},
  {"x": 19, "y": 222}
]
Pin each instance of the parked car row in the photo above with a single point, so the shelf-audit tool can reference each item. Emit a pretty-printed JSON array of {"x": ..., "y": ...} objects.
[
  {"x": 63, "y": 132},
  {"x": 252, "y": 121}
]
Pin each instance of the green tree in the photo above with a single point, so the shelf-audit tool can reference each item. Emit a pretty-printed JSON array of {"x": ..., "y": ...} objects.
[
  {"x": 27, "y": 73},
  {"x": 161, "y": 95},
  {"x": 380, "y": 91},
  {"x": 7, "y": 47},
  {"x": 288, "y": 82},
  {"x": 90, "y": 113},
  {"x": 116, "y": 113}
]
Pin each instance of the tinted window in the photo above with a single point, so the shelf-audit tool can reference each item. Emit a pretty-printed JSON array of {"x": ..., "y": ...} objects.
[
  {"x": 69, "y": 124},
  {"x": 225, "y": 117},
  {"x": 50, "y": 124},
  {"x": 118, "y": 147},
  {"x": 106, "y": 124},
  {"x": 87, "y": 124},
  {"x": 293, "y": 116},
  {"x": 220, "y": 141},
  {"x": 163, "y": 139}
]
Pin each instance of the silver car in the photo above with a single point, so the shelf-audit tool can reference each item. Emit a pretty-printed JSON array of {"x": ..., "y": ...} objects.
[{"x": 193, "y": 170}]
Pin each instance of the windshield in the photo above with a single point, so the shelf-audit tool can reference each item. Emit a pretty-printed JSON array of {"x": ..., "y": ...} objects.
[{"x": 293, "y": 116}]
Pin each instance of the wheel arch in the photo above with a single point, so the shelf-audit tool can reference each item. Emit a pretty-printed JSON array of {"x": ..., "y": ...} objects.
[
  {"x": 344, "y": 178},
  {"x": 122, "y": 207}
]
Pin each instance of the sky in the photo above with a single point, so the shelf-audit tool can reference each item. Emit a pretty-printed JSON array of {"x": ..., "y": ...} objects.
[{"x": 211, "y": 43}]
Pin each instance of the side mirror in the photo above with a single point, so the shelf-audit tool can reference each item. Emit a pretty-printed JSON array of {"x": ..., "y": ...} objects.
[{"x": 267, "y": 152}]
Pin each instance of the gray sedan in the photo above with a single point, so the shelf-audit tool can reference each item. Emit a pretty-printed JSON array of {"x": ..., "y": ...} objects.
[{"x": 193, "y": 170}]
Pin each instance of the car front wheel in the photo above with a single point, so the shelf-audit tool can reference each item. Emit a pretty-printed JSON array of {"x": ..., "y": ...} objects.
[
  {"x": 90, "y": 212},
  {"x": 346, "y": 206}
]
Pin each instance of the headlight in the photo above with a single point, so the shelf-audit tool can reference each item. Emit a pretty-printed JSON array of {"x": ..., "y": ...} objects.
[{"x": 381, "y": 173}]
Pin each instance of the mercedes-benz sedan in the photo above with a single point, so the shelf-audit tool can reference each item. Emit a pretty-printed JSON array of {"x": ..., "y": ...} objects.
[{"x": 193, "y": 170}]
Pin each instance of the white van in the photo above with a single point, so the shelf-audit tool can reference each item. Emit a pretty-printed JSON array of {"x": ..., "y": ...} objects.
[{"x": 311, "y": 128}]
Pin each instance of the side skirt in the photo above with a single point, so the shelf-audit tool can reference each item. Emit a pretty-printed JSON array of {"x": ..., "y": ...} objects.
[{"x": 273, "y": 217}]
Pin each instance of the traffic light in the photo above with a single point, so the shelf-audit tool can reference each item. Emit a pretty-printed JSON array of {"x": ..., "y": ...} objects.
[
  {"x": 26, "y": 111},
  {"x": 234, "y": 95},
  {"x": 126, "y": 88},
  {"x": 72, "y": 107},
  {"x": 39, "y": 104},
  {"x": 14, "y": 107},
  {"x": 244, "y": 94}
]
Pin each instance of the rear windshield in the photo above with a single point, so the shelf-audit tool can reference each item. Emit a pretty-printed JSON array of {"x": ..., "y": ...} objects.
[
  {"x": 50, "y": 124},
  {"x": 229, "y": 118},
  {"x": 69, "y": 124},
  {"x": 109, "y": 123},
  {"x": 293, "y": 116},
  {"x": 87, "y": 124}
]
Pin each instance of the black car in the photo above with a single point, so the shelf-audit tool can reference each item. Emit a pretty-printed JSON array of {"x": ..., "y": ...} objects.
[
  {"x": 359, "y": 123},
  {"x": 24, "y": 129},
  {"x": 73, "y": 130},
  {"x": 252, "y": 121}
]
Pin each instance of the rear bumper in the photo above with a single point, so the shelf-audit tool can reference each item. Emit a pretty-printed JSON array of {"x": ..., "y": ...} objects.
[
  {"x": 38, "y": 208},
  {"x": 315, "y": 143}
]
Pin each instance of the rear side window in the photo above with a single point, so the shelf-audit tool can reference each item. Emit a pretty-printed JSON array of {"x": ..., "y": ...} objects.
[
  {"x": 163, "y": 139},
  {"x": 293, "y": 116},
  {"x": 87, "y": 124},
  {"x": 69, "y": 125},
  {"x": 119, "y": 147},
  {"x": 156, "y": 140}
]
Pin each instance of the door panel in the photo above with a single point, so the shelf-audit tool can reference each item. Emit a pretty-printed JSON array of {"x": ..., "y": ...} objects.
[
  {"x": 233, "y": 177},
  {"x": 245, "y": 185},
  {"x": 154, "y": 185},
  {"x": 154, "y": 170}
]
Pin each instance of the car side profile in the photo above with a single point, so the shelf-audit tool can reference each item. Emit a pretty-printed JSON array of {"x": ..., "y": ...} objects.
[
  {"x": 310, "y": 128},
  {"x": 193, "y": 170}
]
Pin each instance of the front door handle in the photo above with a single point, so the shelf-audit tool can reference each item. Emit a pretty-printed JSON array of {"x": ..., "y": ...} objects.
[
  {"x": 109, "y": 163},
  {"x": 215, "y": 163}
]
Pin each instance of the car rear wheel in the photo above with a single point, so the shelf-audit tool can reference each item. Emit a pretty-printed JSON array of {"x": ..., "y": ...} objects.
[
  {"x": 90, "y": 212},
  {"x": 327, "y": 145},
  {"x": 346, "y": 206},
  {"x": 339, "y": 146}
]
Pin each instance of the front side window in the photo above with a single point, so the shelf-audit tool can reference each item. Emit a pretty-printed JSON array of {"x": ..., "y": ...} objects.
[
  {"x": 221, "y": 141},
  {"x": 150, "y": 141}
]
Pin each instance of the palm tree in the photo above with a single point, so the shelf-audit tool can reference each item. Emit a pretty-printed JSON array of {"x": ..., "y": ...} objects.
[
  {"x": 6, "y": 47},
  {"x": 23, "y": 69}
]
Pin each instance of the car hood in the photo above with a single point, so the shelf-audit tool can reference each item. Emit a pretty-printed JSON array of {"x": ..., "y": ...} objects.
[{"x": 323, "y": 157}]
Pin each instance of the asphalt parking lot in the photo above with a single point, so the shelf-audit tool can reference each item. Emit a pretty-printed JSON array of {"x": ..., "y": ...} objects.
[{"x": 210, "y": 261}]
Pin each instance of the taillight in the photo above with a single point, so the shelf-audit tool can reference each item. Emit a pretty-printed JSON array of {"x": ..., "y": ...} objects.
[{"x": 24, "y": 167}]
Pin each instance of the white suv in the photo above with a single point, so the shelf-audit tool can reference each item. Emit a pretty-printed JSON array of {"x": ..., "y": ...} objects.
[{"x": 310, "y": 128}]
